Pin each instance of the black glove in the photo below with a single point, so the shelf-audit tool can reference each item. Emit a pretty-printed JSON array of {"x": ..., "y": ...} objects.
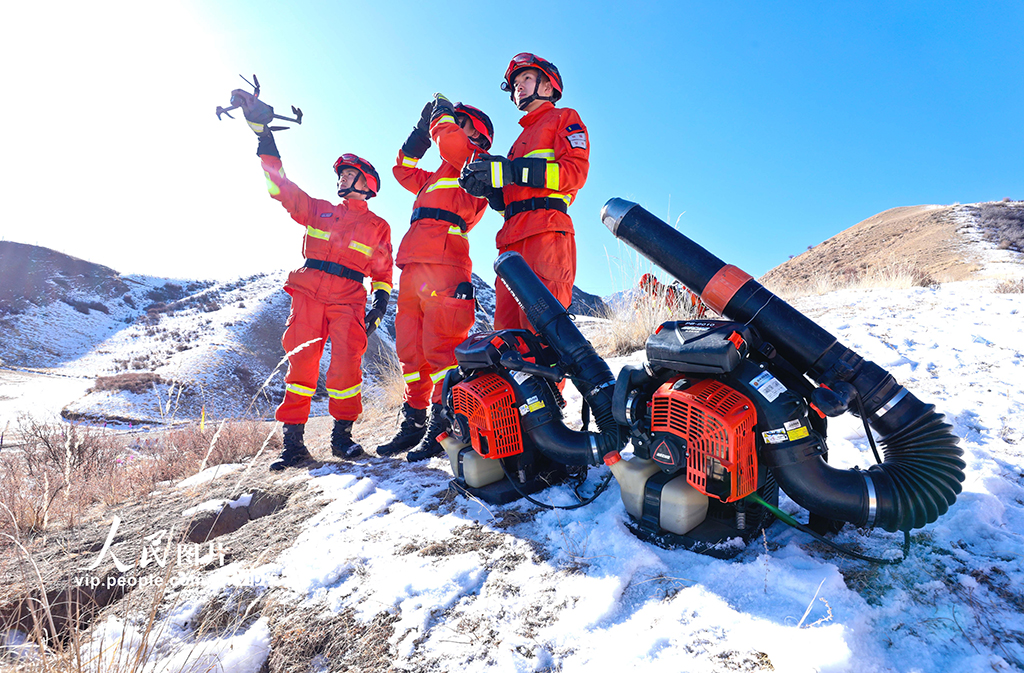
[
  {"x": 442, "y": 106},
  {"x": 496, "y": 200},
  {"x": 424, "y": 122},
  {"x": 529, "y": 172},
  {"x": 417, "y": 144},
  {"x": 257, "y": 113},
  {"x": 487, "y": 173},
  {"x": 376, "y": 313},
  {"x": 267, "y": 145}
]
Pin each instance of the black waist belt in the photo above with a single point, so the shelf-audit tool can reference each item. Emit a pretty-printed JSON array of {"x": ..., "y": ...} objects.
[
  {"x": 437, "y": 214},
  {"x": 537, "y": 203},
  {"x": 334, "y": 269}
]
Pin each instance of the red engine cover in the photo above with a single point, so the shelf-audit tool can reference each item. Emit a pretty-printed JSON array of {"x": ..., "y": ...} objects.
[
  {"x": 717, "y": 424},
  {"x": 489, "y": 405}
]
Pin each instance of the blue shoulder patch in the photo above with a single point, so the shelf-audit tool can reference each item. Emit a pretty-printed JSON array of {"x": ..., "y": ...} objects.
[{"x": 573, "y": 128}]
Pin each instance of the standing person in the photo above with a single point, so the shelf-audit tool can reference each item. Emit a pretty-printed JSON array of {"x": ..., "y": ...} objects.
[
  {"x": 435, "y": 301},
  {"x": 343, "y": 244},
  {"x": 545, "y": 168}
]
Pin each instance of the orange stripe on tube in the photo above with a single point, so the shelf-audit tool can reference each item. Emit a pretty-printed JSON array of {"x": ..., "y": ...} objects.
[{"x": 723, "y": 286}]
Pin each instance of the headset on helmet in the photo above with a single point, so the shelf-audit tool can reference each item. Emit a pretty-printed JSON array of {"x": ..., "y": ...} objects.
[
  {"x": 365, "y": 169},
  {"x": 481, "y": 122},
  {"x": 527, "y": 60}
]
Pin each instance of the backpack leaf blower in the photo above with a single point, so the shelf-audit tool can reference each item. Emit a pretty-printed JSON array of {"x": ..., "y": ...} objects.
[{"x": 722, "y": 415}]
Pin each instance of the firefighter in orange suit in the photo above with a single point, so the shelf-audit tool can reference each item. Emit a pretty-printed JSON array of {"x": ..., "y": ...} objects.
[
  {"x": 538, "y": 180},
  {"x": 343, "y": 244},
  {"x": 435, "y": 304}
]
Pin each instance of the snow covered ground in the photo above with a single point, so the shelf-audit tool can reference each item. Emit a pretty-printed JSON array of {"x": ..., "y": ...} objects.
[{"x": 515, "y": 588}]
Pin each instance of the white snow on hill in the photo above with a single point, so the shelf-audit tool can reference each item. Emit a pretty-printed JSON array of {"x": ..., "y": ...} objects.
[
  {"x": 494, "y": 589},
  {"x": 516, "y": 588}
]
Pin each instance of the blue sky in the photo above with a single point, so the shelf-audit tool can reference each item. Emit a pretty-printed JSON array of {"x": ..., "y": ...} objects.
[{"x": 758, "y": 129}]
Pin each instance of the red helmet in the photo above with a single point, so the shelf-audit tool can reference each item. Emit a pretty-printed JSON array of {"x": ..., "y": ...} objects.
[
  {"x": 365, "y": 169},
  {"x": 528, "y": 60},
  {"x": 481, "y": 122}
]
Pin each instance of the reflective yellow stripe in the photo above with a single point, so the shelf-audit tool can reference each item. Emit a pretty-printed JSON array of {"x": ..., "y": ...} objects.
[
  {"x": 445, "y": 119},
  {"x": 409, "y": 162},
  {"x": 565, "y": 197},
  {"x": 455, "y": 231},
  {"x": 551, "y": 176},
  {"x": 300, "y": 390},
  {"x": 437, "y": 376},
  {"x": 271, "y": 185},
  {"x": 345, "y": 394},
  {"x": 412, "y": 378},
  {"x": 444, "y": 183},
  {"x": 548, "y": 154},
  {"x": 365, "y": 249},
  {"x": 497, "y": 175},
  {"x": 318, "y": 233},
  {"x": 380, "y": 285}
]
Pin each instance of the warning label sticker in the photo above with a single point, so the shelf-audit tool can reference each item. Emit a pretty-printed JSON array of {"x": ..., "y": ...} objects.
[
  {"x": 769, "y": 386},
  {"x": 799, "y": 433},
  {"x": 775, "y": 436}
]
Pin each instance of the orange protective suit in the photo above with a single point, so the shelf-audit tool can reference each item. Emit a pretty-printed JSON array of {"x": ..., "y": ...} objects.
[
  {"x": 434, "y": 258},
  {"x": 544, "y": 237},
  {"x": 325, "y": 305}
]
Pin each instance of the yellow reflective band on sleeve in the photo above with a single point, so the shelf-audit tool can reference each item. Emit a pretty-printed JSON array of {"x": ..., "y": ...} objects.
[
  {"x": 365, "y": 249},
  {"x": 300, "y": 390},
  {"x": 565, "y": 197},
  {"x": 410, "y": 162},
  {"x": 445, "y": 119},
  {"x": 455, "y": 231},
  {"x": 271, "y": 187},
  {"x": 318, "y": 233},
  {"x": 345, "y": 394},
  {"x": 437, "y": 376},
  {"x": 444, "y": 183},
  {"x": 548, "y": 154},
  {"x": 497, "y": 176},
  {"x": 551, "y": 176},
  {"x": 412, "y": 378},
  {"x": 380, "y": 285}
]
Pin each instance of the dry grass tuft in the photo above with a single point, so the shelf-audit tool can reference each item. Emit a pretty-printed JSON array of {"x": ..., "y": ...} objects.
[
  {"x": 629, "y": 326},
  {"x": 135, "y": 382},
  {"x": 893, "y": 275},
  {"x": 1011, "y": 287},
  {"x": 307, "y": 640},
  {"x": 60, "y": 471}
]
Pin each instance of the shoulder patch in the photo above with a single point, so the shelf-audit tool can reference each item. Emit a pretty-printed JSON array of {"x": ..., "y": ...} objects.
[
  {"x": 326, "y": 214},
  {"x": 573, "y": 128},
  {"x": 578, "y": 140}
]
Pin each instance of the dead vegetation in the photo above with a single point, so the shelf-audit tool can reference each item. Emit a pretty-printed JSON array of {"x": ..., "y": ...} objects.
[{"x": 57, "y": 473}]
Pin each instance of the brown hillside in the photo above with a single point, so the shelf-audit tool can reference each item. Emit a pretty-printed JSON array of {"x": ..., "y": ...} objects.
[
  {"x": 30, "y": 274},
  {"x": 929, "y": 239}
]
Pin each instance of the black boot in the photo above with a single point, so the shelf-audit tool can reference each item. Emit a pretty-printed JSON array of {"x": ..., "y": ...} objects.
[
  {"x": 294, "y": 449},
  {"x": 414, "y": 426},
  {"x": 429, "y": 446},
  {"x": 342, "y": 444}
]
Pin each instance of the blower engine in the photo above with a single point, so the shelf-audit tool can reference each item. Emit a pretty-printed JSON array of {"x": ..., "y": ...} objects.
[{"x": 722, "y": 415}]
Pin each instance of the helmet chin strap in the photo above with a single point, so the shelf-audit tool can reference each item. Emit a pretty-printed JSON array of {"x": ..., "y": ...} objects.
[
  {"x": 344, "y": 192},
  {"x": 524, "y": 103}
]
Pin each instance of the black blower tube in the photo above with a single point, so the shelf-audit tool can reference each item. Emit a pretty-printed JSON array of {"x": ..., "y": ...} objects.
[
  {"x": 922, "y": 470},
  {"x": 589, "y": 373}
]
